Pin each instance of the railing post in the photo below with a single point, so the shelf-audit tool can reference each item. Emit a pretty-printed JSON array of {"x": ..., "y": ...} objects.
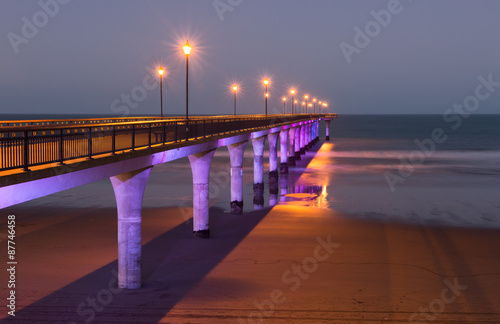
[
  {"x": 164, "y": 132},
  {"x": 26, "y": 151},
  {"x": 133, "y": 137},
  {"x": 61, "y": 147},
  {"x": 90, "y": 144},
  {"x": 176, "y": 131},
  {"x": 149, "y": 139},
  {"x": 113, "y": 140}
]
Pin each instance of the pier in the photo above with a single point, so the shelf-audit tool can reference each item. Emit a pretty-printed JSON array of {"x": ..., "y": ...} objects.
[{"x": 39, "y": 158}]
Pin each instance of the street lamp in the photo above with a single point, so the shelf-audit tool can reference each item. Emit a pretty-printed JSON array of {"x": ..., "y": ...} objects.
[
  {"x": 293, "y": 93},
  {"x": 266, "y": 82},
  {"x": 160, "y": 72},
  {"x": 235, "y": 88},
  {"x": 295, "y": 102},
  {"x": 187, "y": 51},
  {"x": 306, "y": 97},
  {"x": 314, "y": 100},
  {"x": 284, "y": 105},
  {"x": 304, "y": 105}
]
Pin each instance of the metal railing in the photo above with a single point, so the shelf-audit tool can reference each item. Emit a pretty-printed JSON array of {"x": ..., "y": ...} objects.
[{"x": 35, "y": 144}]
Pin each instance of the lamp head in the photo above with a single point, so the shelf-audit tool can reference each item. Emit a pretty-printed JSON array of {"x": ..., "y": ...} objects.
[
  {"x": 161, "y": 71},
  {"x": 187, "y": 48}
]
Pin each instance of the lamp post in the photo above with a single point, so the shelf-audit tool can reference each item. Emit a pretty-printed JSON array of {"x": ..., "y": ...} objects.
[
  {"x": 235, "y": 88},
  {"x": 295, "y": 103},
  {"x": 304, "y": 105},
  {"x": 293, "y": 93},
  {"x": 266, "y": 82},
  {"x": 306, "y": 97},
  {"x": 160, "y": 72},
  {"x": 284, "y": 105},
  {"x": 314, "y": 100},
  {"x": 187, "y": 51}
]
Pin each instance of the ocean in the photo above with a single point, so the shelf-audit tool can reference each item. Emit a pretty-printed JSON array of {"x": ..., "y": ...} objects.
[{"x": 411, "y": 169}]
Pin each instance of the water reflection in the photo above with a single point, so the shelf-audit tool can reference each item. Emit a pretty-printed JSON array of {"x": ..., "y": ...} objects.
[{"x": 305, "y": 185}]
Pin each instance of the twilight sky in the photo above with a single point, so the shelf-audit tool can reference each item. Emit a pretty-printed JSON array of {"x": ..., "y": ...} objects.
[{"x": 362, "y": 56}]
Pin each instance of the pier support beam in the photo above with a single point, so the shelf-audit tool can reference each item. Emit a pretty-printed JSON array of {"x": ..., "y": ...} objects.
[
  {"x": 236, "y": 152},
  {"x": 303, "y": 140},
  {"x": 297, "y": 143},
  {"x": 327, "y": 123},
  {"x": 129, "y": 192},
  {"x": 200, "y": 167},
  {"x": 273, "y": 156},
  {"x": 307, "y": 136},
  {"x": 291, "y": 135},
  {"x": 258, "y": 170},
  {"x": 283, "y": 151},
  {"x": 316, "y": 131}
]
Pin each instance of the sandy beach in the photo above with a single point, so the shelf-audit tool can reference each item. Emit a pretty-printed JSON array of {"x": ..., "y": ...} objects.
[
  {"x": 295, "y": 262},
  {"x": 260, "y": 267}
]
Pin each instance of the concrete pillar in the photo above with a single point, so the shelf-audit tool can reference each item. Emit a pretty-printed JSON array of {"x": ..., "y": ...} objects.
[
  {"x": 303, "y": 140},
  {"x": 200, "y": 167},
  {"x": 297, "y": 143},
  {"x": 316, "y": 137},
  {"x": 307, "y": 144},
  {"x": 258, "y": 161},
  {"x": 313, "y": 132},
  {"x": 307, "y": 136},
  {"x": 283, "y": 151},
  {"x": 236, "y": 152},
  {"x": 129, "y": 191},
  {"x": 327, "y": 122},
  {"x": 273, "y": 156},
  {"x": 291, "y": 135},
  {"x": 258, "y": 170}
]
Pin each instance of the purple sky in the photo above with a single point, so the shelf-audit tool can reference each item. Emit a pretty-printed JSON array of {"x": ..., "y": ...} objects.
[{"x": 88, "y": 57}]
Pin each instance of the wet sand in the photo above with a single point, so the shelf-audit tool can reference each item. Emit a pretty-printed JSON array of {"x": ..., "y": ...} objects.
[{"x": 285, "y": 264}]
